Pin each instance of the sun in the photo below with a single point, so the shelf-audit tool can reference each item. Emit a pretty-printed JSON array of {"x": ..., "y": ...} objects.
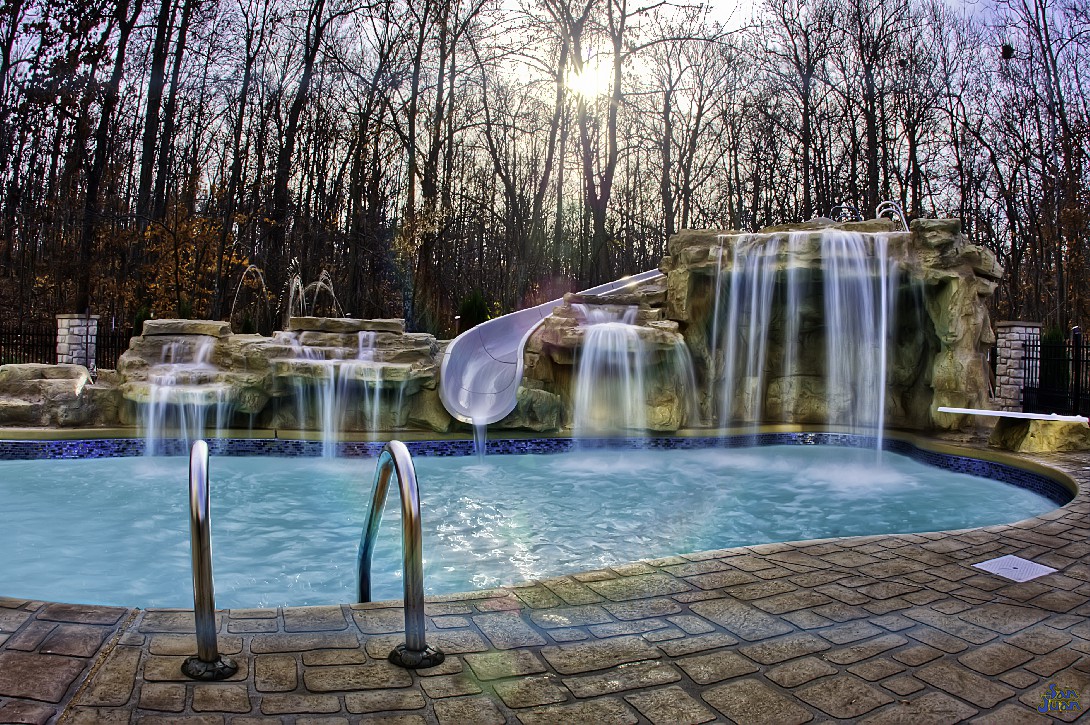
[{"x": 593, "y": 80}]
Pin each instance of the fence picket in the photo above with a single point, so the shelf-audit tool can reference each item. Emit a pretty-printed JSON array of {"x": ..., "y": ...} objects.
[
  {"x": 28, "y": 344},
  {"x": 38, "y": 344},
  {"x": 1056, "y": 377}
]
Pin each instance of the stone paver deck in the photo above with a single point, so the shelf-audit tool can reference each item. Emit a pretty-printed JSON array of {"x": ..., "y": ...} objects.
[{"x": 879, "y": 629}]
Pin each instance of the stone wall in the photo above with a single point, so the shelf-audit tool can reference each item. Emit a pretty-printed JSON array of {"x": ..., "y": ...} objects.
[{"x": 1010, "y": 364}]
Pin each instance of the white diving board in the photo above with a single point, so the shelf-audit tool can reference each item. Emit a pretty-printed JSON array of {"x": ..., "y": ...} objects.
[{"x": 1014, "y": 414}]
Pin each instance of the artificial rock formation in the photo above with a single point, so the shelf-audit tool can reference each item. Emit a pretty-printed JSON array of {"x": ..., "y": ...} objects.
[
  {"x": 45, "y": 395},
  {"x": 552, "y": 351},
  {"x": 937, "y": 352},
  {"x": 263, "y": 378},
  {"x": 1040, "y": 436}
]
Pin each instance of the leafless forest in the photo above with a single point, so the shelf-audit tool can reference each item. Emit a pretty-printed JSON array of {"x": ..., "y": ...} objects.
[{"x": 422, "y": 150}]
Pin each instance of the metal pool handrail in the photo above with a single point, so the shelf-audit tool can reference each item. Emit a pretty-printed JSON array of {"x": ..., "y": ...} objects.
[
  {"x": 395, "y": 459},
  {"x": 208, "y": 664},
  {"x": 894, "y": 211}
]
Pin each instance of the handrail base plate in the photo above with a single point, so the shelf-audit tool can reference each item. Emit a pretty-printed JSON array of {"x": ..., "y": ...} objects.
[
  {"x": 402, "y": 656},
  {"x": 197, "y": 669}
]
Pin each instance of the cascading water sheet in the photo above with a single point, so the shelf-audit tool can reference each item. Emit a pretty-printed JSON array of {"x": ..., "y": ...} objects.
[
  {"x": 610, "y": 395},
  {"x": 182, "y": 391},
  {"x": 764, "y": 320}
]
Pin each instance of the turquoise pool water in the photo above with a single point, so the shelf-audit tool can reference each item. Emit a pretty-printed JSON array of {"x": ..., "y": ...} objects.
[{"x": 286, "y": 530}]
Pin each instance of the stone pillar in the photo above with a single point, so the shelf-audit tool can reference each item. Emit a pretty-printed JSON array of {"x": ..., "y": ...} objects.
[
  {"x": 1010, "y": 364},
  {"x": 77, "y": 338}
]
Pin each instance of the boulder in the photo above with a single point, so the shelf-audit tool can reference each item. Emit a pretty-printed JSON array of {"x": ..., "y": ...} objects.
[
  {"x": 210, "y": 328},
  {"x": 345, "y": 325},
  {"x": 45, "y": 395},
  {"x": 426, "y": 411},
  {"x": 1040, "y": 436},
  {"x": 535, "y": 409}
]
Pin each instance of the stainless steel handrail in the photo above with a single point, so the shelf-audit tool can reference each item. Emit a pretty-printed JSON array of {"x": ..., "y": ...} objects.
[
  {"x": 895, "y": 212},
  {"x": 208, "y": 664},
  {"x": 845, "y": 213},
  {"x": 395, "y": 458}
]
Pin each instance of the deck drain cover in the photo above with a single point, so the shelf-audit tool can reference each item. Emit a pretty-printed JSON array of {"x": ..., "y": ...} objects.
[{"x": 1015, "y": 568}]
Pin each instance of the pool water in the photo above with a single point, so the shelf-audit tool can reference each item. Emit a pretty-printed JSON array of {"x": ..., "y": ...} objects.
[{"x": 285, "y": 531}]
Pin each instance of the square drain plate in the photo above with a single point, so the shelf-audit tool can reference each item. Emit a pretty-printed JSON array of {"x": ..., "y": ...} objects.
[{"x": 1015, "y": 568}]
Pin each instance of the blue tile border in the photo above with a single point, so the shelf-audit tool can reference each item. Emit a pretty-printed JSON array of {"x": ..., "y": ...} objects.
[{"x": 122, "y": 447}]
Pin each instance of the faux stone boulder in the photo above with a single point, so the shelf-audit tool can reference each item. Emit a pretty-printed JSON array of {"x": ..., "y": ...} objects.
[
  {"x": 34, "y": 394},
  {"x": 939, "y": 362},
  {"x": 535, "y": 409},
  {"x": 345, "y": 325},
  {"x": 210, "y": 328},
  {"x": 269, "y": 380},
  {"x": 1040, "y": 436}
]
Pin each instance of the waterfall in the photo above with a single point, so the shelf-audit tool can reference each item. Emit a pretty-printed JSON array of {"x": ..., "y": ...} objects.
[
  {"x": 681, "y": 369},
  {"x": 610, "y": 395},
  {"x": 182, "y": 389},
  {"x": 859, "y": 309},
  {"x": 765, "y": 319},
  {"x": 340, "y": 391},
  {"x": 749, "y": 314}
]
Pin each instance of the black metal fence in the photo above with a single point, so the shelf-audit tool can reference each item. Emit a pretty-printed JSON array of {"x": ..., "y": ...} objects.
[
  {"x": 28, "y": 343},
  {"x": 109, "y": 346},
  {"x": 38, "y": 344},
  {"x": 1056, "y": 376}
]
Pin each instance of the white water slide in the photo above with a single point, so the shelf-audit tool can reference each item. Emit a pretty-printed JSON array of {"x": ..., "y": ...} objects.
[{"x": 481, "y": 369}]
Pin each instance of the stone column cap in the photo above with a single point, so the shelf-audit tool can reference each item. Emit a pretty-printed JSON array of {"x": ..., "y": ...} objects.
[{"x": 1019, "y": 323}]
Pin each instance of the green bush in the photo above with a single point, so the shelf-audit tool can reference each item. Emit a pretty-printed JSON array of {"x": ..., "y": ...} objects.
[
  {"x": 473, "y": 311},
  {"x": 142, "y": 314}
]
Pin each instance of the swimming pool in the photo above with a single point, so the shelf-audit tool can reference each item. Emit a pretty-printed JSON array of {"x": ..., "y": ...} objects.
[{"x": 286, "y": 530}]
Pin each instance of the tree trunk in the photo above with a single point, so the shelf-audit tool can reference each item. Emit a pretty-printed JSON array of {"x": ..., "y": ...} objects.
[
  {"x": 102, "y": 152},
  {"x": 156, "y": 84}
]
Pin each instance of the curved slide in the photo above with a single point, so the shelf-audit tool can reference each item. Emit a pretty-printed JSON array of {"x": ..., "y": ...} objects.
[{"x": 481, "y": 369}]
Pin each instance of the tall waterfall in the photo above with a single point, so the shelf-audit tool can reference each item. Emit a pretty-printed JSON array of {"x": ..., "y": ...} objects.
[{"x": 774, "y": 305}]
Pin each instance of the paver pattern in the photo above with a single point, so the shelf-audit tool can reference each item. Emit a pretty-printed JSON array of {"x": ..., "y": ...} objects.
[{"x": 878, "y": 630}]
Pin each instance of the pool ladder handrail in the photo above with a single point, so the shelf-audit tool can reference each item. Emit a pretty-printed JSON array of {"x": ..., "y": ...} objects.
[
  {"x": 395, "y": 459},
  {"x": 208, "y": 664},
  {"x": 894, "y": 211}
]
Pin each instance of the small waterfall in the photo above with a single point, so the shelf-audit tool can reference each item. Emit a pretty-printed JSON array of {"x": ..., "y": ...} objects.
[
  {"x": 372, "y": 393},
  {"x": 681, "y": 365},
  {"x": 182, "y": 389},
  {"x": 342, "y": 392},
  {"x": 764, "y": 319},
  {"x": 610, "y": 395}
]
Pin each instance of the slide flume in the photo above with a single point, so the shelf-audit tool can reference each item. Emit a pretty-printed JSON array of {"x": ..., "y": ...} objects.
[{"x": 481, "y": 368}]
